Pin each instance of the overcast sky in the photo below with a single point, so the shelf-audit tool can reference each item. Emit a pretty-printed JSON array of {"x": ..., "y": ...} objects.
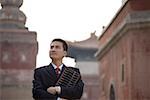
[{"x": 72, "y": 20}]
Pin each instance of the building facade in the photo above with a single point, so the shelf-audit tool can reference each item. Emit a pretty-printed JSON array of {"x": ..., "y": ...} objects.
[{"x": 124, "y": 54}]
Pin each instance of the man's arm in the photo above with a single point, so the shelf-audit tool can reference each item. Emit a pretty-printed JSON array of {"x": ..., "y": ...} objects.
[
  {"x": 74, "y": 92},
  {"x": 38, "y": 90}
]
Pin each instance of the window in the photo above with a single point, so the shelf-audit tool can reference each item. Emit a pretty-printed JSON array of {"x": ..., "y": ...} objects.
[{"x": 122, "y": 72}]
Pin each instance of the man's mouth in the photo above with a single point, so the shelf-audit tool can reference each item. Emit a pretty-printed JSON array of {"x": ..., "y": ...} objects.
[{"x": 53, "y": 53}]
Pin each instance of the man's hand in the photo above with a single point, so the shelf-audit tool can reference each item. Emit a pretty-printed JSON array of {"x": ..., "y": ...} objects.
[{"x": 52, "y": 90}]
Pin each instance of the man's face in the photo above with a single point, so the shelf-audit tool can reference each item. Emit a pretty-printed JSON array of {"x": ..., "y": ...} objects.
[{"x": 57, "y": 51}]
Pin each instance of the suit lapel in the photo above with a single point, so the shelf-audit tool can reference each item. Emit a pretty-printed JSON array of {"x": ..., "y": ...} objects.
[
  {"x": 62, "y": 69},
  {"x": 52, "y": 70},
  {"x": 51, "y": 74}
]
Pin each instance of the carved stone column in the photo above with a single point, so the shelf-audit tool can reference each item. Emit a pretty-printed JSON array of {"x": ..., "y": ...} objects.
[{"x": 18, "y": 50}]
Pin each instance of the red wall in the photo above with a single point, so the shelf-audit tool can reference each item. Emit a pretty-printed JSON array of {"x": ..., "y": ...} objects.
[{"x": 131, "y": 50}]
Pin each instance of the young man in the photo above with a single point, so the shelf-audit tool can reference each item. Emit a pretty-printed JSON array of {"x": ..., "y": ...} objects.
[{"x": 45, "y": 77}]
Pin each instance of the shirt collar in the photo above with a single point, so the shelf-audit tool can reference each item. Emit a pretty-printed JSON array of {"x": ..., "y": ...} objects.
[{"x": 60, "y": 67}]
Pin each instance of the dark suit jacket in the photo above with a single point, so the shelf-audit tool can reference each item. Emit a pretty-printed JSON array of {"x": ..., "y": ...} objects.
[{"x": 45, "y": 77}]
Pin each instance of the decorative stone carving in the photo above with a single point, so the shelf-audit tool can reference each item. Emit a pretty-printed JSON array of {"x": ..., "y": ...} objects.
[{"x": 10, "y": 15}]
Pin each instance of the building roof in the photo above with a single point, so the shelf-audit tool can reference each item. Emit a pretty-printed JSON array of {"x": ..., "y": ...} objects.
[
  {"x": 91, "y": 42},
  {"x": 83, "y": 50}
]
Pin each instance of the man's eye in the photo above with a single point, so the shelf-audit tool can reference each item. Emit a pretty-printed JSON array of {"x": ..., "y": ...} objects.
[
  {"x": 52, "y": 47},
  {"x": 57, "y": 47}
]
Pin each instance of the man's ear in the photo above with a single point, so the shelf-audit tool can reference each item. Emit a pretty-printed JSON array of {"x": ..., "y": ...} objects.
[{"x": 65, "y": 53}]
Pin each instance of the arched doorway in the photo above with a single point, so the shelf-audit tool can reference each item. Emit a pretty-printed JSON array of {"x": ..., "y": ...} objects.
[{"x": 112, "y": 93}]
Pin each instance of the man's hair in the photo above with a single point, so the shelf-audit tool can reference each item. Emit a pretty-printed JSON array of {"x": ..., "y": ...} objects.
[{"x": 65, "y": 45}]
